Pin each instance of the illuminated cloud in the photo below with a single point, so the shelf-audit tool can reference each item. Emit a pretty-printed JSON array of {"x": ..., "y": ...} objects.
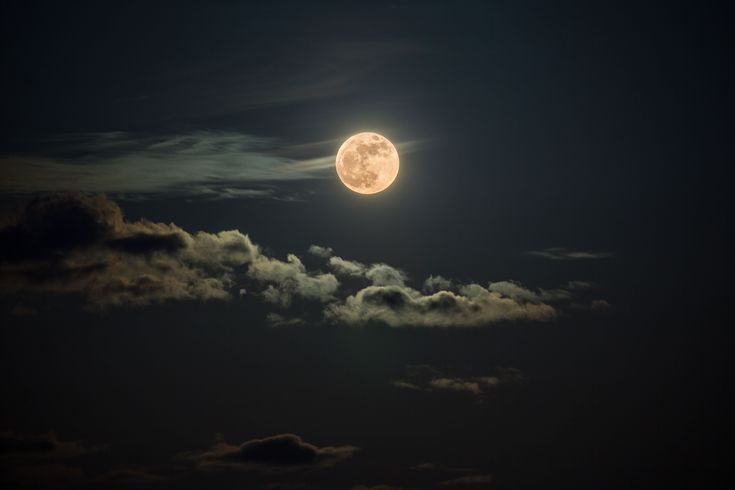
[
  {"x": 397, "y": 305},
  {"x": 40, "y": 447},
  {"x": 432, "y": 284},
  {"x": 290, "y": 278},
  {"x": 206, "y": 164},
  {"x": 379, "y": 274}
]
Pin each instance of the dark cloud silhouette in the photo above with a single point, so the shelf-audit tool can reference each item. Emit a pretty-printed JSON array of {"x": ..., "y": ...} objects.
[{"x": 279, "y": 452}]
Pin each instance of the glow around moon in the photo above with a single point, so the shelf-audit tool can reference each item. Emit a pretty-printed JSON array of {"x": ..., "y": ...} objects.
[{"x": 367, "y": 163}]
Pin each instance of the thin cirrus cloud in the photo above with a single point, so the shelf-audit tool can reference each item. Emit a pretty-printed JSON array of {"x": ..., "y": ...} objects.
[
  {"x": 83, "y": 245},
  {"x": 562, "y": 253},
  {"x": 210, "y": 164}
]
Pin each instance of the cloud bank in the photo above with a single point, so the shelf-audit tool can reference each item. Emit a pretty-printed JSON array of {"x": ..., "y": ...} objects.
[{"x": 83, "y": 245}]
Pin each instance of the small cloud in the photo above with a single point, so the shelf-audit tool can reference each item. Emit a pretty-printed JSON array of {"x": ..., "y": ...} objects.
[
  {"x": 578, "y": 285},
  {"x": 562, "y": 253},
  {"x": 275, "y": 453},
  {"x": 600, "y": 305},
  {"x": 73, "y": 243},
  {"x": 347, "y": 267},
  {"x": 405, "y": 384},
  {"x": 277, "y": 320},
  {"x": 40, "y": 446},
  {"x": 430, "y": 379},
  {"x": 397, "y": 305},
  {"x": 456, "y": 384},
  {"x": 319, "y": 251}
]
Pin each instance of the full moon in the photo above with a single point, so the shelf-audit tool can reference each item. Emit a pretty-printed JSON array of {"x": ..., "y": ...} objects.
[{"x": 367, "y": 163}]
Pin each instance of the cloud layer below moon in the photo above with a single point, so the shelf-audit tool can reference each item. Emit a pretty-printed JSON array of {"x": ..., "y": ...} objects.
[{"x": 83, "y": 245}]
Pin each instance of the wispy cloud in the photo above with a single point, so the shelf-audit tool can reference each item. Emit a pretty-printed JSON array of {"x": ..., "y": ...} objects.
[
  {"x": 562, "y": 253},
  {"x": 214, "y": 164}
]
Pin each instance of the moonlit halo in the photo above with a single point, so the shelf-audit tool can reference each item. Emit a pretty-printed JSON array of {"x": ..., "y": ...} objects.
[{"x": 367, "y": 163}]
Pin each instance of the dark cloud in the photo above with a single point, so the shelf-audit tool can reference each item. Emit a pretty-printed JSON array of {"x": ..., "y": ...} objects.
[
  {"x": 433, "y": 284},
  {"x": 274, "y": 453},
  {"x": 562, "y": 253},
  {"x": 39, "y": 446},
  {"x": 82, "y": 244},
  {"x": 319, "y": 251}
]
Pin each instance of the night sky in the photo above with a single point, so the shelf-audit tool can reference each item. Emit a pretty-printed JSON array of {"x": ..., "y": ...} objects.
[{"x": 190, "y": 297}]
